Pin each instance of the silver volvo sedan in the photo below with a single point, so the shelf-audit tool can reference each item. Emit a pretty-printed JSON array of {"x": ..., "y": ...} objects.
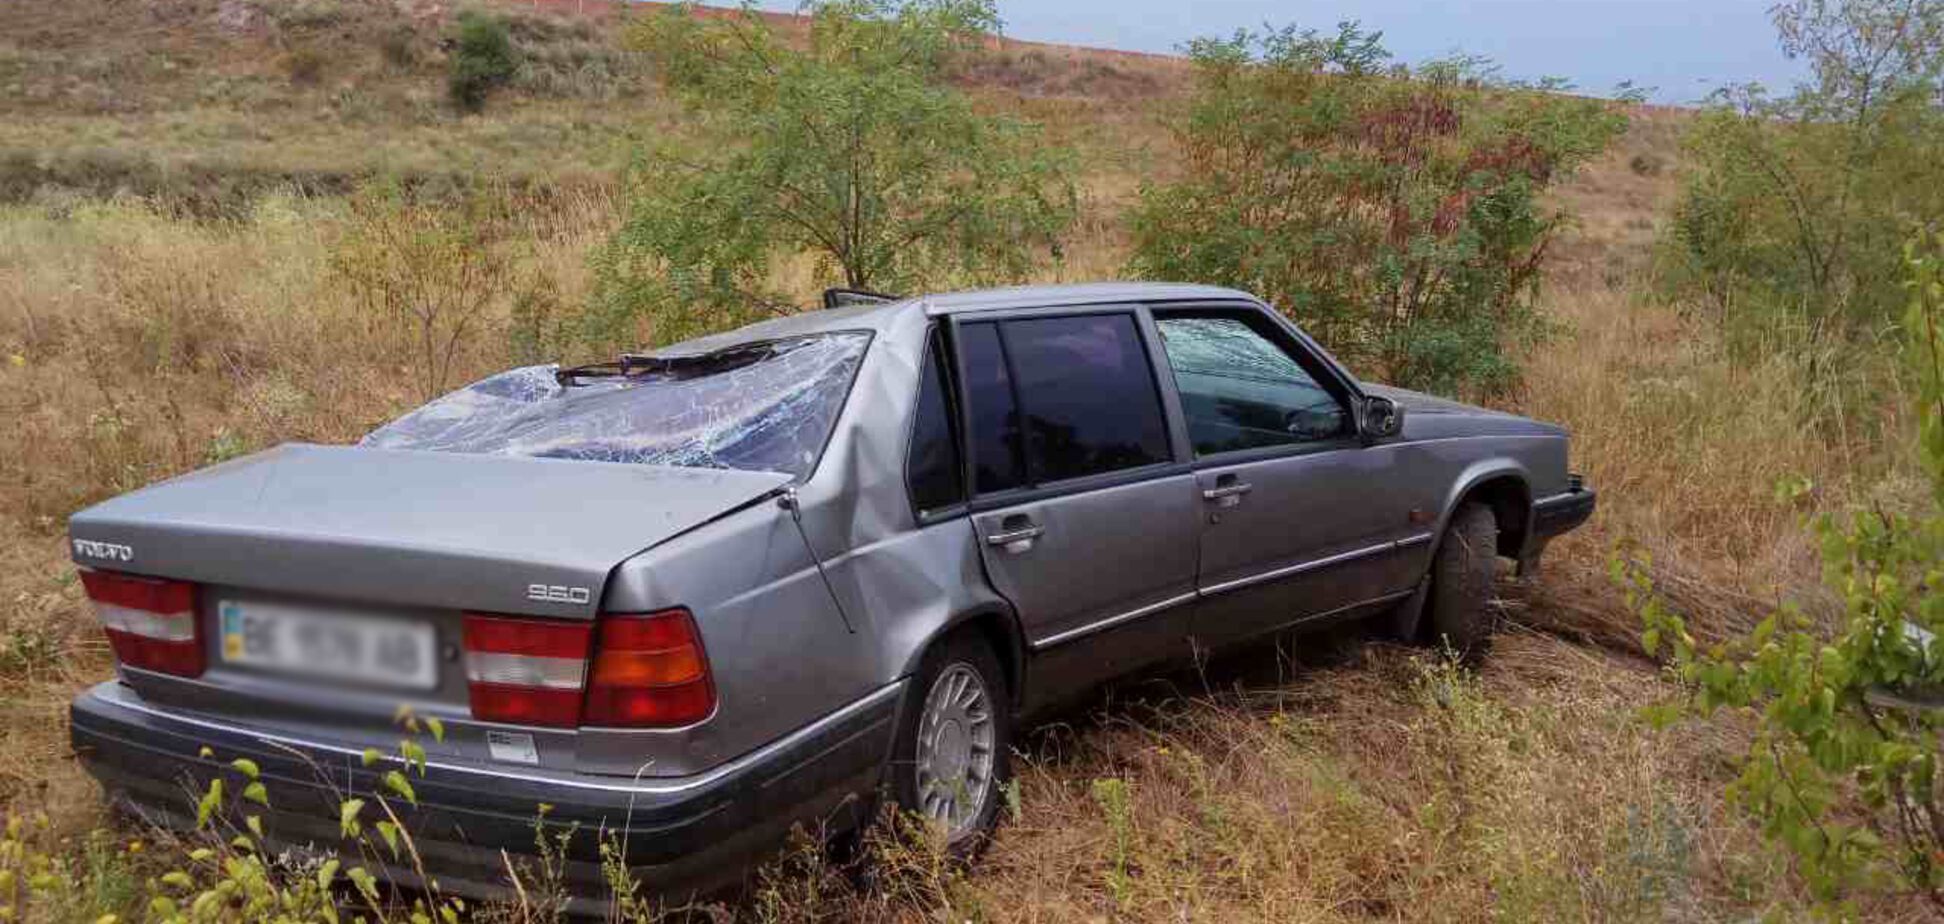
[{"x": 692, "y": 598}]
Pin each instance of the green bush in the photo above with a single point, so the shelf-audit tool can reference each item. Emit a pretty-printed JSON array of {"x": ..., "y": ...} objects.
[
  {"x": 1399, "y": 216},
  {"x": 850, "y": 147},
  {"x": 1842, "y": 770},
  {"x": 483, "y": 59},
  {"x": 1786, "y": 233}
]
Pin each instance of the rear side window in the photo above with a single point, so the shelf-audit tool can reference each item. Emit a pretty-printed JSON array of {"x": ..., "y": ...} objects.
[
  {"x": 932, "y": 464},
  {"x": 993, "y": 430},
  {"x": 1088, "y": 395}
]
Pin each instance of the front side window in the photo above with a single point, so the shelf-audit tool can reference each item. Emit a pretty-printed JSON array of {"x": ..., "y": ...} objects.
[
  {"x": 1241, "y": 390},
  {"x": 1088, "y": 395},
  {"x": 763, "y": 406},
  {"x": 932, "y": 462}
]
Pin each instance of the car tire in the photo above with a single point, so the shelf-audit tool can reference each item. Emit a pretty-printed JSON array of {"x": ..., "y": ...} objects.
[
  {"x": 955, "y": 742},
  {"x": 1462, "y": 571}
]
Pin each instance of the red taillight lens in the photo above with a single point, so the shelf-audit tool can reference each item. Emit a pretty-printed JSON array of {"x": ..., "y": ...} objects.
[
  {"x": 526, "y": 671},
  {"x": 151, "y": 622},
  {"x": 649, "y": 671}
]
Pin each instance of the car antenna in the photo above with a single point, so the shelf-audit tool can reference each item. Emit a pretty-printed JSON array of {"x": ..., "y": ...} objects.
[{"x": 787, "y": 499}]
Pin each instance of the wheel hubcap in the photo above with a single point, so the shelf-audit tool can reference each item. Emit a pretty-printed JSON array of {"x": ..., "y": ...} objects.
[{"x": 954, "y": 760}]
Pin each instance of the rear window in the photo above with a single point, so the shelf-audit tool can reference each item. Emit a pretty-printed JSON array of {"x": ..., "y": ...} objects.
[{"x": 759, "y": 407}]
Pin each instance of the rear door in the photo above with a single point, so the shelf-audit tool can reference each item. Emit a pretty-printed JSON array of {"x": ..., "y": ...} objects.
[
  {"x": 1299, "y": 518},
  {"x": 1086, "y": 518}
]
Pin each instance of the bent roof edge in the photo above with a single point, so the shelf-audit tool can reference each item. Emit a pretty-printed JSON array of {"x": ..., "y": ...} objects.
[
  {"x": 1029, "y": 296},
  {"x": 881, "y": 316}
]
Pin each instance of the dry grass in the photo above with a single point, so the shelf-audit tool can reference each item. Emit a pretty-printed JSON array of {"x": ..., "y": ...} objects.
[{"x": 1352, "y": 782}]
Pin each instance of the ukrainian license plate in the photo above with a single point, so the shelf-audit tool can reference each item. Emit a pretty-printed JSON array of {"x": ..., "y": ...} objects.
[{"x": 330, "y": 645}]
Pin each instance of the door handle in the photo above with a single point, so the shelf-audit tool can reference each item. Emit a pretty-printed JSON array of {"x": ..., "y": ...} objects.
[
  {"x": 1227, "y": 495},
  {"x": 1016, "y": 540}
]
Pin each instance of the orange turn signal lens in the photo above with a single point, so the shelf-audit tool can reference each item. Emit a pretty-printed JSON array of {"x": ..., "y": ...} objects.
[{"x": 649, "y": 671}]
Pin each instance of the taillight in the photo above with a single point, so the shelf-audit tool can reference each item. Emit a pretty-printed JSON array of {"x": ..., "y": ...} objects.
[
  {"x": 151, "y": 622},
  {"x": 526, "y": 671},
  {"x": 649, "y": 671}
]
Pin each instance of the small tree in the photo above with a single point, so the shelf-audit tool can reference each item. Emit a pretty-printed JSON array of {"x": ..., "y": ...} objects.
[
  {"x": 483, "y": 60},
  {"x": 1843, "y": 766},
  {"x": 1396, "y": 215},
  {"x": 1789, "y": 221},
  {"x": 847, "y": 144},
  {"x": 424, "y": 275}
]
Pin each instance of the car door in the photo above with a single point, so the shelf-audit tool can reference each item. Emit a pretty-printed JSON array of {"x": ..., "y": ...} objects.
[
  {"x": 1300, "y": 519},
  {"x": 1086, "y": 518}
]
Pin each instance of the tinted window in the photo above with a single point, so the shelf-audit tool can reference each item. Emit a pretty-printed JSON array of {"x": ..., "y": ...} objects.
[
  {"x": 1088, "y": 395},
  {"x": 994, "y": 432},
  {"x": 933, "y": 463},
  {"x": 1240, "y": 390}
]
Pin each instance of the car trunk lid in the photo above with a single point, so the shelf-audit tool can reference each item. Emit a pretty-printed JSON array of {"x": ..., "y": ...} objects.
[{"x": 502, "y": 534}]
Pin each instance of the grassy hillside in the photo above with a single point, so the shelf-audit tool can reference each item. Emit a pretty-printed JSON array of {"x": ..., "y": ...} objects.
[{"x": 174, "y": 204}]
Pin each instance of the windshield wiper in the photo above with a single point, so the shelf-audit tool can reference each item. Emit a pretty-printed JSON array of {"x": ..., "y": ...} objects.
[
  {"x": 628, "y": 364},
  {"x": 632, "y": 365}
]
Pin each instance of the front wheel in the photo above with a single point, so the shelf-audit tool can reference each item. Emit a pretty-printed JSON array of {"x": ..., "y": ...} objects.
[
  {"x": 952, "y": 756},
  {"x": 1461, "y": 580}
]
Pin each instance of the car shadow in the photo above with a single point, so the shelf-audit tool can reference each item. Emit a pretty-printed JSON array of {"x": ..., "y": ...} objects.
[{"x": 1268, "y": 666}]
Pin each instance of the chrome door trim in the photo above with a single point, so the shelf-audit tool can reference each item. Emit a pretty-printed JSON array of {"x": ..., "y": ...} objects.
[
  {"x": 1315, "y": 564},
  {"x": 1078, "y": 632},
  {"x": 1059, "y": 638}
]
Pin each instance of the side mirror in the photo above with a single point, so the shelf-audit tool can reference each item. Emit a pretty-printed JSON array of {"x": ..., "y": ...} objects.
[{"x": 1381, "y": 419}]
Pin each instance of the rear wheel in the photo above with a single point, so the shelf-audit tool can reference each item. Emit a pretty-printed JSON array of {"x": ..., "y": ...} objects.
[
  {"x": 952, "y": 756},
  {"x": 1461, "y": 580}
]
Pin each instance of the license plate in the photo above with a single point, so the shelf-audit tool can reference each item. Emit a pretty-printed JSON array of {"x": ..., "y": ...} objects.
[{"x": 328, "y": 645}]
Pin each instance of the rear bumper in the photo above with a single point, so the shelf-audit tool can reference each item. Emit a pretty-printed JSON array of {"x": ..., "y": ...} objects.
[{"x": 683, "y": 836}]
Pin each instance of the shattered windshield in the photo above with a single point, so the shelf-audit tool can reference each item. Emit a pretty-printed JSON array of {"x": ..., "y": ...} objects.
[{"x": 757, "y": 407}]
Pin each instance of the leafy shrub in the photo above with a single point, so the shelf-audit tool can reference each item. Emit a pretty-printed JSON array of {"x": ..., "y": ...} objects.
[
  {"x": 424, "y": 274},
  {"x": 1398, "y": 216},
  {"x": 483, "y": 60},
  {"x": 224, "y": 870},
  {"x": 1787, "y": 229},
  {"x": 1843, "y": 767},
  {"x": 849, "y": 146}
]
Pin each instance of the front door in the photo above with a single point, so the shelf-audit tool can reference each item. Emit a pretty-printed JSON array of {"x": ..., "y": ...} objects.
[
  {"x": 1086, "y": 520},
  {"x": 1297, "y": 521}
]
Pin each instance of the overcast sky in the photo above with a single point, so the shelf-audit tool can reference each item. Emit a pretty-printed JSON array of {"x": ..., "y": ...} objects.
[{"x": 1684, "y": 48}]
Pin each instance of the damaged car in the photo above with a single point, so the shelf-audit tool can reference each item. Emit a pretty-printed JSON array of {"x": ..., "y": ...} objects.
[{"x": 691, "y": 598}]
